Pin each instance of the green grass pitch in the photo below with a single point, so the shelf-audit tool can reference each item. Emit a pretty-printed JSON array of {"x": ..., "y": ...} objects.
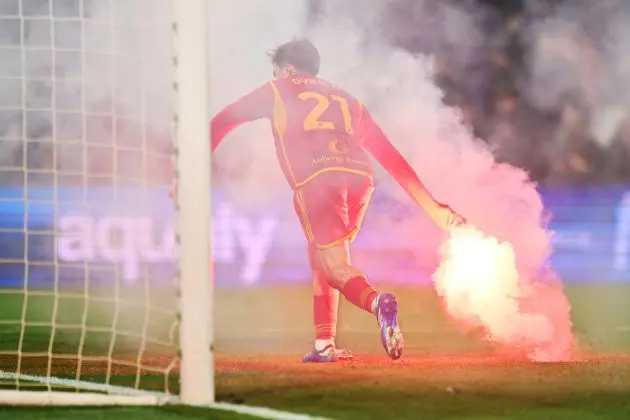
[{"x": 261, "y": 334}]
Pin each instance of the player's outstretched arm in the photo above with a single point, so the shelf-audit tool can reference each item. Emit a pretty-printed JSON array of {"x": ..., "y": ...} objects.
[
  {"x": 253, "y": 106},
  {"x": 379, "y": 146}
]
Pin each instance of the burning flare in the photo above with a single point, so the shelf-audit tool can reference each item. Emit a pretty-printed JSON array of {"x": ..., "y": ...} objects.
[{"x": 481, "y": 286}]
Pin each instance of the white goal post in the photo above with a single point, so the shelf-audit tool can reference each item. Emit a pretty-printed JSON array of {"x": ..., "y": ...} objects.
[
  {"x": 92, "y": 93},
  {"x": 193, "y": 166}
]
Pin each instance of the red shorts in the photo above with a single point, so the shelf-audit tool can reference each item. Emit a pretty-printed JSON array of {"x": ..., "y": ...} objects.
[{"x": 331, "y": 207}]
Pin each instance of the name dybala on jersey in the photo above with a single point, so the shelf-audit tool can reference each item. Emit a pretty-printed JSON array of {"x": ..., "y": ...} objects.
[{"x": 317, "y": 128}]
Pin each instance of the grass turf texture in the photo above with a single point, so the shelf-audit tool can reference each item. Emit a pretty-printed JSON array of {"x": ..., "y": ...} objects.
[
  {"x": 261, "y": 334},
  {"x": 126, "y": 413}
]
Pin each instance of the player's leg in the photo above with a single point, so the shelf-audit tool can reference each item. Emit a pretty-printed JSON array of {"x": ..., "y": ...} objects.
[
  {"x": 325, "y": 310},
  {"x": 325, "y": 297},
  {"x": 334, "y": 258},
  {"x": 330, "y": 209},
  {"x": 354, "y": 285}
]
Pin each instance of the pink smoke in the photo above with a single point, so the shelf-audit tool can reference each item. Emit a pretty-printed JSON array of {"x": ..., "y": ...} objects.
[{"x": 525, "y": 308}]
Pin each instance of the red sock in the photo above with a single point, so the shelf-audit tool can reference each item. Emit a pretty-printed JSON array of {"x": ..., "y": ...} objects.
[{"x": 360, "y": 293}]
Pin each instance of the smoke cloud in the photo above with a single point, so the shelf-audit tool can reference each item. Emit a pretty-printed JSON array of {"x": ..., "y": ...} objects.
[
  {"x": 579, "y": 52},
  {"x": 86, "y": 75},
  {"x": 242, "y": 31}
]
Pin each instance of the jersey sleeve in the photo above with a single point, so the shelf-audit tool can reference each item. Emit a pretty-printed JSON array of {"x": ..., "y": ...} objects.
[
  {"x": 255, "y": 105},
  {"x": 378, "y": 145}
]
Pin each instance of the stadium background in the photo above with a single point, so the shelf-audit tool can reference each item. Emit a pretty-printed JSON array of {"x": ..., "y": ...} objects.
[{"x": 266, "y": 246}]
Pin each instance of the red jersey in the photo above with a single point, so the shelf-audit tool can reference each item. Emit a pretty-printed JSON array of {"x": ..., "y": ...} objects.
[{"x": 317, "y": 128}]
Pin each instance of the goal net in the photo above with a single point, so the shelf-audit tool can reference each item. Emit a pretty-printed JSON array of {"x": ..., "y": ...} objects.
[{"x": 89, "y": 282}]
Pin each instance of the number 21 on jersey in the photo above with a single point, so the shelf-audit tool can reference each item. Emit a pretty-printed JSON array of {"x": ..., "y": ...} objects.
[{"x": 314, "y": 121}]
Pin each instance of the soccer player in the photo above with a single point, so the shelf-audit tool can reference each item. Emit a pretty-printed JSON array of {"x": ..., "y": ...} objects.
[{"x": 322, "y": 138}]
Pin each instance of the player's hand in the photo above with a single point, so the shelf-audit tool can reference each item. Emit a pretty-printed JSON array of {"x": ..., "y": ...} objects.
[
  {"x": 456, "y": 219},
  {"x": 449, "y": 218},
  {"x": 442, "y": 215}
]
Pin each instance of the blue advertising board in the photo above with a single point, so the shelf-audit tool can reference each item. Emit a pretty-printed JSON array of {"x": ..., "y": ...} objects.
[{"x": 70, "y": 234}]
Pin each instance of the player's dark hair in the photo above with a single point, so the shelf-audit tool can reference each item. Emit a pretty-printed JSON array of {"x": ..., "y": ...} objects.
[{"x": 301, "y": 54}]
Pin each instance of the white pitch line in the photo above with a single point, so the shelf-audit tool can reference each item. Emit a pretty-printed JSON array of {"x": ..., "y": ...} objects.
[
  {"x": 264, "y": 413},
  {"x": 71, "y": 383},
  {"x": 142, "y": 397}
]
